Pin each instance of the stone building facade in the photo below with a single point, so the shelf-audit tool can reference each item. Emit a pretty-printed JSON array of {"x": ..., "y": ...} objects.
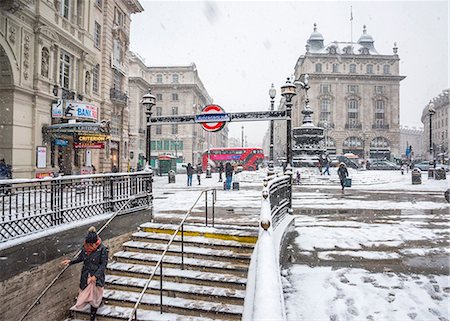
[
  {"x": 439, "y": 127},
  {"x": 412, "y": 137},
  {"x": 354, "y": 93},
  {"x": 178, "y": 91},
  {"x": 63, "y": 81}
]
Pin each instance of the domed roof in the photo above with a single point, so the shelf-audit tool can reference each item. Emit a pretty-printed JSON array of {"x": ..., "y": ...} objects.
[
  {"x": 315, "y": 35},
  {"x": 365, "y": 38}
]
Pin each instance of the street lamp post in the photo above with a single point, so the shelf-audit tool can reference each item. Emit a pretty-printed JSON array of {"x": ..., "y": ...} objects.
[
  {"x": 325, "y": 129},
  {"x": 288, "y": 92},
  {"x": 242, "y": 136},
  {"x": 148, "y": 100},
  {"x": 272, "y": 94},
  {"x": 431, "y": 112}
]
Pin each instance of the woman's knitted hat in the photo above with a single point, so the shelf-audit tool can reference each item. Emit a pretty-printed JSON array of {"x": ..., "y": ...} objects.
[{"x": 92, "y": 236}]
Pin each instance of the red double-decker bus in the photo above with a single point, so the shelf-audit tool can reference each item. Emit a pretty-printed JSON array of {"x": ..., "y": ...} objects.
[{"x": 247, "y": 157}]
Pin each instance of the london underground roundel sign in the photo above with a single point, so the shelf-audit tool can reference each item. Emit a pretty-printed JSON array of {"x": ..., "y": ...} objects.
[{"x": 212, "y": 118}]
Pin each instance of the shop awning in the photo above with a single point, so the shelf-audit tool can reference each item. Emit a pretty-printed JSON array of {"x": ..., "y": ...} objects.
[{"x": 76, "y": 128}]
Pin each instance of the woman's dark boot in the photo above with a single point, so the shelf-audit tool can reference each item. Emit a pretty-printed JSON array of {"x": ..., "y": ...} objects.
[{"x": 93, "y": 313}]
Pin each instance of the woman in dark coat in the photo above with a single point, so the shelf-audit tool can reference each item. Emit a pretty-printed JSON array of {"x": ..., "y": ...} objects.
[
  {"x": 94, "y": 256},
  {"x": 343, "y": 173}
]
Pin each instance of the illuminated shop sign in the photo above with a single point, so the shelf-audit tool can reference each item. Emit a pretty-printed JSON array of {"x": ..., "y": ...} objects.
[
  {"x": 71, "y": 109},
  {"x": 92, "y": 138},
  {"x": 89, "y": 145}
]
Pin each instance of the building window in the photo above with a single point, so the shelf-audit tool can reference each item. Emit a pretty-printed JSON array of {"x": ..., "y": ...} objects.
[
  {"x": 115, "y": 125},
  {"x": 45, "y": 62},
  {"x": 335, "y": 68},
  {"x": 64, "y": 69},
  {"x": 325, "y": 88},
  {"x": 174, "y": 129},
  {"x": 119, "y": 17},
  {"x": 174, "y": 111},
  {"x": 159, "y": 78},
  {"x": 158, "y": 111},
  {"x": 174, "y": 97},
  {"x": 95, "y": 78},
  {"x": 318, "y": 67},
  {"x": 65, "y": 8},
  {"x": 352, "y": 68},
  {"x": 158, "y": 130},
  {"x": 386, "y": 69},
  {"x": 158, "y": 97},
  {"x": 117, "y": 80},
  {"x": 369, "y": 69},
  {"x": 353, "y": 89},
  {"x": 87, "y": 82},
  {"x": 379, "y": 89},
  {"x": 175, "y": 78},
  {"x": 379, "y": 113},
  {"x": 97, "y": 34},
  {"x": 352, "y": 142},
  {"x": 352, "y": 113},
  {"x": 325, "y": 110}
]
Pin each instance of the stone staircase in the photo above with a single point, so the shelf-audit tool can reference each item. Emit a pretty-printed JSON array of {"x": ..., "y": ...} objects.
[{"x": 210, "y": 287}]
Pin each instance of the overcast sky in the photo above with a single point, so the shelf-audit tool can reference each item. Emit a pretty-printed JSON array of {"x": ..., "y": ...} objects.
[{"x": 241, "y": 47}]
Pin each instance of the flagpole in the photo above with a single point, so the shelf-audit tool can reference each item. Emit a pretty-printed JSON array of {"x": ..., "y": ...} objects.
[{"x": 351, "y": 26}]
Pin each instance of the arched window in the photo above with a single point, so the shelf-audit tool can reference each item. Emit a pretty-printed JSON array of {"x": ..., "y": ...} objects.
[
  {"x": 353, "y": 68},
  {"x": 318, "y": 67},
  {"x": 379, "y": 142},
  {"x": 353, "y": 142},
  {"x": 45, "y": 62},
  {"x": 352, "y": 113},
  {"x": 95, "y": 78}
]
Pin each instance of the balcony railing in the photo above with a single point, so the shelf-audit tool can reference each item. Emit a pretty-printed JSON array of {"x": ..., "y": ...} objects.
[
  {"x": 327, "y": 126},
  {"x": 380, "y": 126},
  {"x": 353, "y": 126},
  {"x": 118, "y": 96}
]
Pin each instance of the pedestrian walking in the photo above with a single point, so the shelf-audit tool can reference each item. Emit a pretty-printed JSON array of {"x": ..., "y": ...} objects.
[
  {"x": 326, "y": 164},
  {"x": 189, "y": 172},
  {"x": 228, "y": 175},
  {"x": 320, "y": 164},
  {"x": 220, "y": 171},
  {"x": 298, "y": 177},
  {"x": 94, "y": 256},
  {"x": 199, "y": 172},
  {"x": 343, "y": 173}
]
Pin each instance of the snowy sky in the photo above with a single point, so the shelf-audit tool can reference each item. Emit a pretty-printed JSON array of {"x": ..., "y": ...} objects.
[{"x": 241, "y": 47}]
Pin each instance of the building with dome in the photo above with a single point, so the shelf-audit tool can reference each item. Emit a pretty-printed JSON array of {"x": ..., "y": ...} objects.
[{"x": 354, "y": 93}]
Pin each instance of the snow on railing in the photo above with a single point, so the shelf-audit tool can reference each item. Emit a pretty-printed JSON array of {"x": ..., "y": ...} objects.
[{"x": 264, "y": 294}]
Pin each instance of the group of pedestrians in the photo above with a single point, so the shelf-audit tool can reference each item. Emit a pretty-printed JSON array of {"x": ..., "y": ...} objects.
[{"x": 228, "y": 169}]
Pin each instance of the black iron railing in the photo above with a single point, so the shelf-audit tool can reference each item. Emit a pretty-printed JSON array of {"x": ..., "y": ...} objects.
[
  {"x": 380, "y": 126},
  {"x": 29, "y": 206},
  {"x": 353, "y": 126},
  {"x": 118, "y": 95}
]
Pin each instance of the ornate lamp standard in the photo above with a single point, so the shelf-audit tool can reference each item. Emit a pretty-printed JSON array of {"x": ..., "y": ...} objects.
[
  {"x": 431, "y": 112},
  {"x": 148, "y": 100},
  {"x": 272, "y": 94},
  {"x": 288, "y": 92}
]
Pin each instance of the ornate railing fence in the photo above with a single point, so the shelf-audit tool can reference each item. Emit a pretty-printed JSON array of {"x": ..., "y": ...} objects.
[
  {"x": 264, "y": 298},
  {"x": 28, "y": 206}
]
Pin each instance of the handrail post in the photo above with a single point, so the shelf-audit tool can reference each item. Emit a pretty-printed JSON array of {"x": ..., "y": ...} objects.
[
  {"x": 213, "y": 204},
  {"x": 182, "y": 246},
  {"x": 160, "y": 287},
  {"x": 206, "y": 208}
]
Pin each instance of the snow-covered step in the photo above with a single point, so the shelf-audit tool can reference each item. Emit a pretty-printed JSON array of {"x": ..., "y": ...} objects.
[
  {"x": 171, "y": 274},
  {"x": 189, "y": 251},
  {"x": 175, "y": 289},
  {"x": 108, "y": 312},
  {"x": 239, "y": 247},
  {"x": 189, "y": 263},
  {"x": 234, "y": 233},
  {"x": 176, "y": 305}
]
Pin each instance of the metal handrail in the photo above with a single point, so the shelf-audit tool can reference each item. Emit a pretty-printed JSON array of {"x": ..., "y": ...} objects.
[
  {"x": 133, "y": 314},
  {"x": 66, "y": 267}
]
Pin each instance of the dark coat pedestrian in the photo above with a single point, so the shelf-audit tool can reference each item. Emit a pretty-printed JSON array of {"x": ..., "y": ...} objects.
[
  {"x": 189, "y": 172},
  {"x": 228, "y": 175},
  {"x": 94, "y": 256},
  {"x": 343, "y": 173},
  {"x": 199, "y": 172},
  {"x": 221, "y": 169}
]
